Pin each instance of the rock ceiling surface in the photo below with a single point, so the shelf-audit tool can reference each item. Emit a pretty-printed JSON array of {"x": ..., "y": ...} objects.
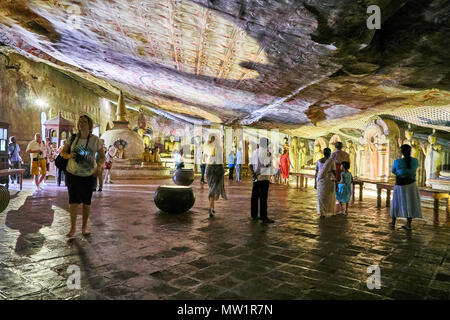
[{"x": 304, "y": 67}]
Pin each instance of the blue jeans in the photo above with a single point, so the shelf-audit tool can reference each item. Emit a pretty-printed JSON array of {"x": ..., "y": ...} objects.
[
  {"x": 202, "y": 168},
  {"x": 230, "y": 175},
  {"x": 238, "y": 172}
]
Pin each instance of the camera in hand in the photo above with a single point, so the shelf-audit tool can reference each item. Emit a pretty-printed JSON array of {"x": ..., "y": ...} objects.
[{"x": 82, "y": 154}]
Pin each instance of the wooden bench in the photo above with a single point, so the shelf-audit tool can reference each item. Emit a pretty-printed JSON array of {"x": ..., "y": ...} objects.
[
  {"x": 302, "y": 178},
  {"x": 436, "y": 194},
  {"x": 10, "y": 172},
  {"x": 389, "y": 187},
  {"x": 361, "y": 187}
]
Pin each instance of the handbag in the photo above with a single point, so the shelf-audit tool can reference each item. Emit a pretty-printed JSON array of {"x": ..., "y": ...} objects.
[{"x": 60, "y": 161}]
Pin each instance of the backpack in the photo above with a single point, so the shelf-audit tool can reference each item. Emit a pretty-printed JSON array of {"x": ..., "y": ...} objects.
[{"x": 60, "y": 161}]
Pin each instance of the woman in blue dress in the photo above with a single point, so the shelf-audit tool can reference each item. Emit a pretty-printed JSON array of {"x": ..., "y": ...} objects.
[
  {"x": 344, "y": 190},
  {"x": 406, "y": 201}
]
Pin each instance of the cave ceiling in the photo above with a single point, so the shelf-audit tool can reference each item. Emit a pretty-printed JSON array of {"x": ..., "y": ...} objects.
[{"x": 307, "y": 67}]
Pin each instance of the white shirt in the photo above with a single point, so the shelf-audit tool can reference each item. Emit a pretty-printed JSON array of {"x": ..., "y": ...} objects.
[
  {"x": 84, "y": 168},
  {"x": 34, "y": 145},
  {"x": 260, "y": 157},
  {"x": 238, "y": 157},
  {"x": 214, "y": 153}
]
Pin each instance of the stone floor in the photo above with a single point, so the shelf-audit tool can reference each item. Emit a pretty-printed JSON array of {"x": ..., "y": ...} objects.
[{"x": 136, "y": 252}]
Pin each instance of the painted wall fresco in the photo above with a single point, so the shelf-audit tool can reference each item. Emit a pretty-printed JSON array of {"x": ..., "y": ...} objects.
[{"x": 28, "y": 89}]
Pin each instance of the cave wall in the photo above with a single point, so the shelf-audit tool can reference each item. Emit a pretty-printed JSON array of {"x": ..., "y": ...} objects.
[{"x": 23, "y": 82}]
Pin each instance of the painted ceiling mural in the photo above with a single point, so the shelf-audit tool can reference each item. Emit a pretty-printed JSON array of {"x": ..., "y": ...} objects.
[{"x": 300, "y": 66}]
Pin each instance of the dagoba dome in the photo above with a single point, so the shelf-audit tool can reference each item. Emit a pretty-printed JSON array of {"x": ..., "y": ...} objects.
[{"x": 134, "y": 143}]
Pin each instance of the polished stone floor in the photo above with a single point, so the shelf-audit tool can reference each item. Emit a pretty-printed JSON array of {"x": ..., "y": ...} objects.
[{"x": 136, "y": 252}]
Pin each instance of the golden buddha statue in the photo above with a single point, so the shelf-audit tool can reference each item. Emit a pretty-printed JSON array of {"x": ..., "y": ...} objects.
[
  {"x": 303, "y": 152},
  {"x": 141, "y": 132},
  {"x": 332, "y": 146},
  {"x": 293, "y": 153},
  {"x": 414, "y": 143},
  {"x": 171, "y": 145},
  {"x": 318, "y": 154},
  {"x": 286, "y": 144},
  {"x": 147, "y": 141},
  {"x": 120, "y": 152},
  {"x": 352, "y": 149},
  {"x": 147, "y": 156},
  {"x": 156, "y": 156}
]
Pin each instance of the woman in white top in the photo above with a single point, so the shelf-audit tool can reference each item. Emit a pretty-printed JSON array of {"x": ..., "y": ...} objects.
[
  {"x": 325, "y": 184},
  {"x": 110, "y": 154},
  {"x": 51, "y": 155},
  {"x": 213, "y": 157},
  {"x": 82, "y": 171}
]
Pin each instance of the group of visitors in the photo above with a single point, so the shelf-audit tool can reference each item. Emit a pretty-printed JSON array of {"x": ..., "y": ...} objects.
[
  {"x": 235, "y": 162},
  {"x": 88, "y": 158},
  {"x": 333, "y": 182},
  {"x": 260, "y": 166}
]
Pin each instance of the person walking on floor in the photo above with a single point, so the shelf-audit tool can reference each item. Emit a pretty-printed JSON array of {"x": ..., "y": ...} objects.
[
  {"x": 99, "y": 180},
  {"x": 285, "y": 163},
  {"x": 325, "y": 178},
  {"x": 110, "y": 154},
  {"x": 339, "y": 156},
  {"x": 60, "y": 173},
  {"x": 276, "y": 168},
  {"x": 50, "y": 158},
  {"x": 36, "y": 149},
  {"x": 260, "y": 166},
  {"x": 344, "y": 190},
  {"x": 82, "y": 171},
  {"x": 406, "y": 200},
  {"x": 15, "y": 159},
  {"x": 213, "y": 154},
  {"x": 231, "y": 162},
  {"x": 238, "y": 164}
]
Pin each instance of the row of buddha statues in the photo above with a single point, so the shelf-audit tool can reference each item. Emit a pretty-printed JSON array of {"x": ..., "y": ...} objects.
[
  {"x": 372, "y": 154},
  {"x": 372, "y": 150}
]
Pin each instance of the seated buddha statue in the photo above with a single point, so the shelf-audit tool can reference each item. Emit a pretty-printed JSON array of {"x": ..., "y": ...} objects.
[{"x": 146, "y": 156}]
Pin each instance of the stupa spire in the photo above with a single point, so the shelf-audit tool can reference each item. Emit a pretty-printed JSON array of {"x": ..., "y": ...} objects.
[{"x": 121, "y": 114}]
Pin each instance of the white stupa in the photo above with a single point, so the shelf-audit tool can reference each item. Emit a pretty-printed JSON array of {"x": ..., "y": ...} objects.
[{"x": 120, "y": 131}]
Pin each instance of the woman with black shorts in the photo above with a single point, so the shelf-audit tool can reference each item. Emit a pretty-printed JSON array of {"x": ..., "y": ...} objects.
[{"x": 82, "y": 171}]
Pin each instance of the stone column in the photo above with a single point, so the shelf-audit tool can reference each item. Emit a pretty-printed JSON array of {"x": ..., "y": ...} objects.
[{"x": 382, "y": 174}]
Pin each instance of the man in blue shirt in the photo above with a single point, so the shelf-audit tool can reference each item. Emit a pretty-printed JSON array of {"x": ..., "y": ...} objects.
[
  {"x": 14, "y": 158},
  {"x": 231, "y": 164}
]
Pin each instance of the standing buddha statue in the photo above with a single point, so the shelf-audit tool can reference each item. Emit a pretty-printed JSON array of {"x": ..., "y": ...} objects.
[
  {"x": 303, "y": 151},
  {"x": 318, "y": 154},
  {"x": 293, "y": 154},
  {"x": 433, "y": 158}
]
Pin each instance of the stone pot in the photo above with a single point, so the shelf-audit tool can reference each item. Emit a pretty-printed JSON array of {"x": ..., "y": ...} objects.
[
  {"x": 4, "y": 198},
  {"x": 174, "y": 199},
  {"x": 183, "y": 177}
]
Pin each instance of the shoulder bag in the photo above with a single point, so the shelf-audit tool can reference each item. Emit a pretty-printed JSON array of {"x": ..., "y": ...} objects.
[{"x": 60, "y": 161}]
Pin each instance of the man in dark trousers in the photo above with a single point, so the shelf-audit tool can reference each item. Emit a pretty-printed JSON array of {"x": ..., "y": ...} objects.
[{"x": 260, "y": 166}]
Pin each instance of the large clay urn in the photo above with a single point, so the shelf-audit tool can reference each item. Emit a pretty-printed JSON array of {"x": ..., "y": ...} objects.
[
  {"x": 4, "y": 198},
  {"x": 183, "y": 177},
  {"x": 174, "y": 199}
]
